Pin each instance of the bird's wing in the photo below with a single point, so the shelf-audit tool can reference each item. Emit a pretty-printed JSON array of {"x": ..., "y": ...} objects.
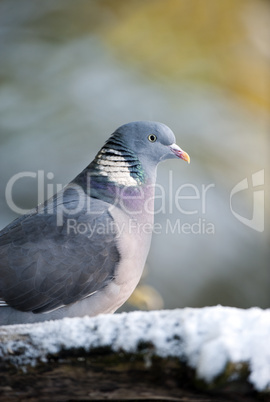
[{"x": 44, "y": 266}]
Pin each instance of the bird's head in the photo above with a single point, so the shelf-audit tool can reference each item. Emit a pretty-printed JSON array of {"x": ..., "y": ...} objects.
[{"x": 151, "y": 141}]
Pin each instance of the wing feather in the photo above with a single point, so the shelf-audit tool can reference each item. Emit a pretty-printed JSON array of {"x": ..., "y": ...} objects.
[{"x": 44, "y": 266}]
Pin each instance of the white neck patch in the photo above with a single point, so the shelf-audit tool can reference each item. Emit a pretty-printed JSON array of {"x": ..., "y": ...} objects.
[{"x": 111, "y": 163}]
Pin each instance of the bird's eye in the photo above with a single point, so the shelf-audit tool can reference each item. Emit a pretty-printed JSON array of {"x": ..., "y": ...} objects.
[{"x": 152, "y": 137}]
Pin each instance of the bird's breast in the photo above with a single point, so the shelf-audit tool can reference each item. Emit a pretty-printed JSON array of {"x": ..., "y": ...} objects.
[{"x": 133, "y": 241}]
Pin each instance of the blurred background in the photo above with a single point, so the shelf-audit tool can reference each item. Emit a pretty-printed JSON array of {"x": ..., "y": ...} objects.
[{"x": 71, "y": 72}]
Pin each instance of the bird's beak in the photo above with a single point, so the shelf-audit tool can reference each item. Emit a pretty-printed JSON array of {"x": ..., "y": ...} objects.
[{"x": 180, "y": 153}]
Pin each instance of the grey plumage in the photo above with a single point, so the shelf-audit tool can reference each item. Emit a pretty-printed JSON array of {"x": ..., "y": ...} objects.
[{"x": 83, "y": 250}]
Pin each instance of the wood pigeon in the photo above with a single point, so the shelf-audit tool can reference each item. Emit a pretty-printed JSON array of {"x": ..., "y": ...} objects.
[{"x": 82, "y": 252}]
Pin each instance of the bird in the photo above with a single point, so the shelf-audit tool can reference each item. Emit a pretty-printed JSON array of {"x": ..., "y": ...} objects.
[{"x": 83, "y": 251}]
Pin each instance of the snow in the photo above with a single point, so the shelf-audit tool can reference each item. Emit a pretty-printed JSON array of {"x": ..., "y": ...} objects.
[{"x": 206, "y": 339}]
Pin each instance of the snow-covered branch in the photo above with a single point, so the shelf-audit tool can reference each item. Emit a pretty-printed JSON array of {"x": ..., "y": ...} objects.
[{"x": 169, "y": 353}]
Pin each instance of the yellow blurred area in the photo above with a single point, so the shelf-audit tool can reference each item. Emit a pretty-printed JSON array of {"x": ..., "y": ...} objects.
[
  {"x": 146, "y": 297},
  {"x": 223, "y": 43}
]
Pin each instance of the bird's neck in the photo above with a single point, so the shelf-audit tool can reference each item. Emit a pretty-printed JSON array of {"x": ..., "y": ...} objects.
[
  {"x": 116, "y": 176},
  {"x": 116, "y": 163}
]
